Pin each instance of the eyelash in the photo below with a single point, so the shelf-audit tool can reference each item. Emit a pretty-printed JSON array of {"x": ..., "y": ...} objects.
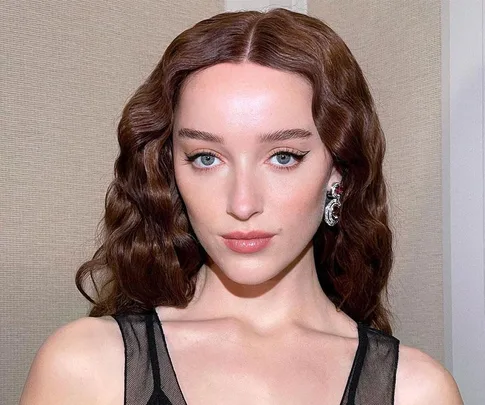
[{"x": 298, "y": 156}]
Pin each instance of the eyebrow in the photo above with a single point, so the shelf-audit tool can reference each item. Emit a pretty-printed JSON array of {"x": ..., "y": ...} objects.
[{"x": 275, "y": 136}]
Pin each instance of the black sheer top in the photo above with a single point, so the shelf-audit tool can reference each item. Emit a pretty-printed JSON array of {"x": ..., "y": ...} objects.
[{"x": 150, "y": 377}]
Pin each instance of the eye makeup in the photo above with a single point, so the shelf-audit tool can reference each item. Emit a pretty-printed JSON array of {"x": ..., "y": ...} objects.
[{"x": 297, "y": 156}]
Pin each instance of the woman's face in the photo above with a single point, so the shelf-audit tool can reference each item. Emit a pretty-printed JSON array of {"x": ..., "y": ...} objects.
[{"x": 232, "y": 180}]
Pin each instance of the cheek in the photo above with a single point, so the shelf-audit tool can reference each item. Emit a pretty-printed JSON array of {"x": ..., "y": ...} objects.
[
  {"x": 206, "y": 198},
  {"x": 200, "y": 197},
  {"x": 306, "y": 204}
]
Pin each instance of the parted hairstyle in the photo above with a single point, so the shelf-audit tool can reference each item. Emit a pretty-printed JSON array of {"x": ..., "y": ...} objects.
[{"x": 149, "y": 254}]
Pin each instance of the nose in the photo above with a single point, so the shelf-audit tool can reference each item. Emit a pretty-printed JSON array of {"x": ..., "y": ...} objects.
[{"x": 244, "y": 199}]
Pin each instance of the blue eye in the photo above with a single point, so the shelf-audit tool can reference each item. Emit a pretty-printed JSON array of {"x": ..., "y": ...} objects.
[
  {"x": 283, "y": 158},
  {"x": 206, "y": 159}
]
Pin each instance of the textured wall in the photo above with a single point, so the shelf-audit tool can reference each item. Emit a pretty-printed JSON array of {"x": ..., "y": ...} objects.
[
  {"x": 67, "y": 68},
  {"x": 397, "y": 44}
]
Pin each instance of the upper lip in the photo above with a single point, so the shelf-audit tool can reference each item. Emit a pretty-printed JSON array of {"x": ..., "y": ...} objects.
[{"x": 247, "y": 235}]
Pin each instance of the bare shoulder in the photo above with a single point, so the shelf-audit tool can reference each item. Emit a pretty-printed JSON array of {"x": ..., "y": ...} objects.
[
  {"x": 421, "y": 380},
  {"x": 79, "y": 363}
]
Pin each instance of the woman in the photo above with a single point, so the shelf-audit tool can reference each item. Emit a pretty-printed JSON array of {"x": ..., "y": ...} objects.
[{"x": 246, "y": 244}]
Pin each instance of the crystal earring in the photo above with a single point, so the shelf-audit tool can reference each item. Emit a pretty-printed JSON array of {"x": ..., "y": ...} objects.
[{"x": 333, "y": 204}]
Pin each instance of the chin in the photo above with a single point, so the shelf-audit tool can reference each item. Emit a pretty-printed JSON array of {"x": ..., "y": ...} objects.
[
  {"x": 250, "y": 278},
  {"x": 240, "y": 274}
]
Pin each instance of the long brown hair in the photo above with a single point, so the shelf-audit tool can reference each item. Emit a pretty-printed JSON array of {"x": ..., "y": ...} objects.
[{"x": 149, "y": 254}]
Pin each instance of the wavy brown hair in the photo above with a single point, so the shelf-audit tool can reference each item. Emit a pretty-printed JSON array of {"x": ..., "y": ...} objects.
[{"x": 149, "y": 254}]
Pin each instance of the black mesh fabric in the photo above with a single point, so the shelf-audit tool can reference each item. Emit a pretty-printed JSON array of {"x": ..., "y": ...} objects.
[
  {"x": 149, "y": 375},
  {"x": 372, "y": 379},
  {"x": 150, "y": 378}
]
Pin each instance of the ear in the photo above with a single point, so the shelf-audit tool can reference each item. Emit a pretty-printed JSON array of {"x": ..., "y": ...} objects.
[{"x": 335, "y": 177}]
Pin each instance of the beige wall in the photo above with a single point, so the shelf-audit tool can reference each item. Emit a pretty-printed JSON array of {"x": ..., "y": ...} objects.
[
  {"x": 67, "y": 70},
  {"x": 397, "y": 44}
]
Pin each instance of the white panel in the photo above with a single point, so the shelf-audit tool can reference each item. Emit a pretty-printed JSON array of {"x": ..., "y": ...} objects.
[{"x": 463, "y": 195}]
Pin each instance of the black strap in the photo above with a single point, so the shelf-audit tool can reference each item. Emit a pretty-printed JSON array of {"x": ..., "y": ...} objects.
[
  {"x": 360, "y": 356},
  {"x": 158, "y": 397},
  {"x": 152, "y": 349}
]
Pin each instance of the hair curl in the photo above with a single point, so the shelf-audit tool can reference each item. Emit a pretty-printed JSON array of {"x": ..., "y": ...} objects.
[{"x": 149, "y": 254}]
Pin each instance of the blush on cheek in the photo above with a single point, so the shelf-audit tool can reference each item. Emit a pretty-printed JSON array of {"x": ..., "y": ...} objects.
[{"x": 313, "y": 204}]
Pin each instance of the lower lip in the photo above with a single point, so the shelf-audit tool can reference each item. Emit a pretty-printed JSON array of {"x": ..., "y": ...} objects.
[{"x": 247, "y": 245}]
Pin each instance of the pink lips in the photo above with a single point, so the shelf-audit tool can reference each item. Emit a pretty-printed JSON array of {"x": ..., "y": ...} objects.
[{"x": 249, "y": 242}]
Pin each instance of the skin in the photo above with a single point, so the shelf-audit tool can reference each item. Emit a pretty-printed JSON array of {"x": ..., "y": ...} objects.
[{"x": 259, "y": 326}]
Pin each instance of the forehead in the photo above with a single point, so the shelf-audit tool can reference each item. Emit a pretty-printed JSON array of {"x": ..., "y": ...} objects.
[{"x": 244, "y": 98}]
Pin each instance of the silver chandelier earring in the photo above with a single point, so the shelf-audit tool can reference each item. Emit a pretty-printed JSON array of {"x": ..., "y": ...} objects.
[{"x": 332, "y": 204}]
